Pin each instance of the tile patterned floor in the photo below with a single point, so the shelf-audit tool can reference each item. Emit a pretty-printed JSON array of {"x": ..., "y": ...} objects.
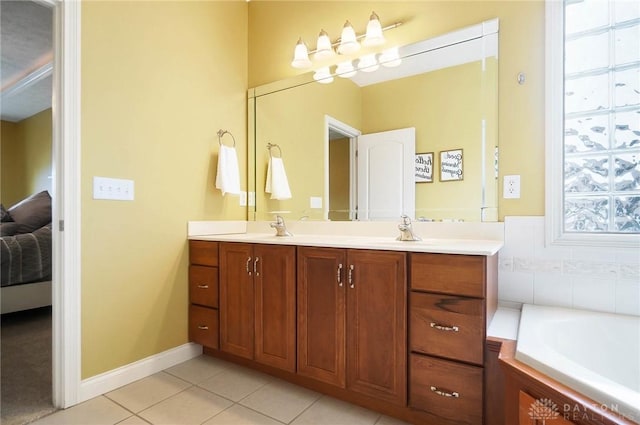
[{"x": 210, "y": 391}]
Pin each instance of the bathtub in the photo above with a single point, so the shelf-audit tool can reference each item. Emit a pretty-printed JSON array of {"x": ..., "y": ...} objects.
[{"x": 596, "y": 354}]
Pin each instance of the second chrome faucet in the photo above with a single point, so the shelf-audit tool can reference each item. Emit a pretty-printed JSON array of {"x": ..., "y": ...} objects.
[
  {"x": 406, "y": 231},
  {"x": 281, "y": 228}
]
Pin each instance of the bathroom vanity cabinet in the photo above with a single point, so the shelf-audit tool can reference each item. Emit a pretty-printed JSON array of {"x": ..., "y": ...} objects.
[
  {"x": 203, "y": 293},
  {"x": 395, "y": 331},
  {"x": 257, "y": 303},
  {"x": 447, "y": 334},
  {"x": 352, "y": 320}
]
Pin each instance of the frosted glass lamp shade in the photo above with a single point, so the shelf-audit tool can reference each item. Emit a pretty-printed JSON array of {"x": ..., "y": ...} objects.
[
  {"x": 368, "y": 63},
  {"x": 301, "y": 56},
  {"x": 374, "y": 36},
  {"x": 348, "y": 40},
  {"x": 390, "y": 58},
  {"x": 324, "y": 49},
  {"x": 345, "y": 69},
  {"x": 323, "y": 75}
]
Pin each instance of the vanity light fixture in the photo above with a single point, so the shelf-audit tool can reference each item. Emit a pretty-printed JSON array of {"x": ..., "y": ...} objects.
[
  {"x": 301, "y": 56},
  {"x": 347, "y": 44}
]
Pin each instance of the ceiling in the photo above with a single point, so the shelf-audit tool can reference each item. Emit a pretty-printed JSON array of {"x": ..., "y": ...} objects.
[{"x": 26, "y": 46}]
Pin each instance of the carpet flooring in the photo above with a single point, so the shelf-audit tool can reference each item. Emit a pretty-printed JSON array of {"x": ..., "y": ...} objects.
[{"x": 25, "y": 350}]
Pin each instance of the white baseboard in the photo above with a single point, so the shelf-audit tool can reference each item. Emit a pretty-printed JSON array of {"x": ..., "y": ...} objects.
[{"x": 116, "y": 378}]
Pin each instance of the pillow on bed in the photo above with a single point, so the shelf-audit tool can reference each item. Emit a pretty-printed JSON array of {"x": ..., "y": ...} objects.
[
  {"x": 32, "y": 212},
  {"x": 4, "y": 214}
]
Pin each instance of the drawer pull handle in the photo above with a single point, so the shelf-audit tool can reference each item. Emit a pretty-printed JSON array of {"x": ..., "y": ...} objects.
[
  {"x": 444, "y": 393},
  {"x": 206, "y": 328},
  {"x": 203, "y": 286},
  {"x": 255, "y": 266},
  {"x": 247, "y": 266},
  {"x": 444, "y": 328},
  {"x": 339, "y": 274},
  {"x": 350, "y": 277}
]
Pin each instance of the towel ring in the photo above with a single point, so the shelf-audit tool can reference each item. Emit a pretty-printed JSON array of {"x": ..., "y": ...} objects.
[
  {"x": 271, "y": 146},
  {"x": 222, "y": 133}
]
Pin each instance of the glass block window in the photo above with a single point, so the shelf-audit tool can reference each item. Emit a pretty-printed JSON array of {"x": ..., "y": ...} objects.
[{"x": 601, "y": 116}]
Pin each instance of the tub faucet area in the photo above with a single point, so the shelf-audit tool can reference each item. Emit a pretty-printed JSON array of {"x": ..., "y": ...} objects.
[
  {"x": 281, "y": 228},
  {"x": 406, "y": 231}
]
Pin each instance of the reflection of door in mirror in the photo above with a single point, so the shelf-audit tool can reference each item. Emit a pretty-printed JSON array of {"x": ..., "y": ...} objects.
[
  {"x": 371, "y": 176},
  {"x": 386, "y": 180}
]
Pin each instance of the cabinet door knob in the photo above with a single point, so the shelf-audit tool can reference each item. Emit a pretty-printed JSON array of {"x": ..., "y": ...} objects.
[
  {"x": 444, "y": 393},
  {"x": 203, "y": 286},
  {"x": 247, "y": 266},
  {"x": 203, "y": 327},
  {"x": 255, "y": 266},
  {"x": 445, "y": 328},
  {"x": 350, "y": 277},
  {"x": 339, "y": 274}
]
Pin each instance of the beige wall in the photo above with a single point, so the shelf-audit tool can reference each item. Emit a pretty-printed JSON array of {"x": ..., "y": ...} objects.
[
  {"x": 26, "y": 157},
  {"x": 274, "y": 28},
  {"x": 158, "y": 81}
]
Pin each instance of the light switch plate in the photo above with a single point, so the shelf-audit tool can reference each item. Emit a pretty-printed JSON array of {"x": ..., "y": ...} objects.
[
  {"x": 315, "y": 202},
  {"x": 511, "y": 187},
  {"x": 113, "y": 189},
  {"x": 243, "y": 199}
]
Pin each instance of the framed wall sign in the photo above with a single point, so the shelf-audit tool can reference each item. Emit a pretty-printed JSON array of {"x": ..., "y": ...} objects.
[
  {"x": 424, "y": 167},
  {"x": 451, "y": 168}
]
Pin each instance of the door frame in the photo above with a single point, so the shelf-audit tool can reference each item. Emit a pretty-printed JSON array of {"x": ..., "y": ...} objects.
[
  {"x": 66, "y": 161},
  {"x": 352, "y": 134}
]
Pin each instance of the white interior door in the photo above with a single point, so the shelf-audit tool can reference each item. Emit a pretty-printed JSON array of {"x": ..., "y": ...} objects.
[{"x": 386, "y": 174}]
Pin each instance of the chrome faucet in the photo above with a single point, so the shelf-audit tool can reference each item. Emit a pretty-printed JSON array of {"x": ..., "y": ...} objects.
[
  {"x": 406, "y": 232},
  {"x": 281, "y": 229}
]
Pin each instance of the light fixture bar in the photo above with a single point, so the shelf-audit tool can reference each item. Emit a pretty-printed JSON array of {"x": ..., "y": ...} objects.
[{"x": 361, "y": 36}]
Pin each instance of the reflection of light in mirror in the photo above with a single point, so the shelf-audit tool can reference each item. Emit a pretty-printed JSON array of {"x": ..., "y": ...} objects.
[
  {"x": 323, "y": 75},
  {"x": 345, "y": 69},
  {"x": 368, "y": 63},
  {"x": 390, "y": 57}
]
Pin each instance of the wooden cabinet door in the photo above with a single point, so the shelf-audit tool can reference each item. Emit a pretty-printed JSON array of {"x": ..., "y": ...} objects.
[
  {"x": 321, "y": 314},
  {"x": 275, "y": 305},
  {"x": 236, "y": 299},
  {"x": 376, "y": 324}
]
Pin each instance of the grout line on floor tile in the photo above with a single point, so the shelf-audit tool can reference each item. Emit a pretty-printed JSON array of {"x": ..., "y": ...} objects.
[{"x": 263, "y": 414}]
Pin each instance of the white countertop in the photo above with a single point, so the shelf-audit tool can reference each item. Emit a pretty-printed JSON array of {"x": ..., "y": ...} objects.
[
  {"x": 436, "y": 245},
  {"x": 443, "y": 238}
]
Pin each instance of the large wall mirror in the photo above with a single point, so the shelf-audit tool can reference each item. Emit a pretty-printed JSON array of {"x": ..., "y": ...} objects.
[{"x": 443, "y": 95}]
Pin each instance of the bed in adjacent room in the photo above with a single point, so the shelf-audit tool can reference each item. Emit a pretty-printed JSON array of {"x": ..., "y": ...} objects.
[{"x": 25, "y": 254}]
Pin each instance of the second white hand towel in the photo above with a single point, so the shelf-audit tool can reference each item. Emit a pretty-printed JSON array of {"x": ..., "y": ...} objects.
[
  {"x": 228, "y": 174},
  {"x": 277, "y": 183}
]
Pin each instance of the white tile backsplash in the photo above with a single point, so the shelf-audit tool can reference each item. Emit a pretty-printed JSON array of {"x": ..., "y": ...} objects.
[{"x": 592, "y": 278}]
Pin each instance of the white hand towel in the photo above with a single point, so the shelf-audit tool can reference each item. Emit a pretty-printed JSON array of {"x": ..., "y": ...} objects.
[
  {"x": 277, "y": 183},
  {"x": 228, "y": 174}
]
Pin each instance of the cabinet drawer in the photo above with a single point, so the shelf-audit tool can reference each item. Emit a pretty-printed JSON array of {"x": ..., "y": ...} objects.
[
  {"x": 449, "y": 274},
  {"x": 204, "y": 253},
  {"x": 203, "y": 326},
  {"x": 447, "y": 326},
  {"x": 203, "y": 285},
  {"x": 447, "y": 389}
]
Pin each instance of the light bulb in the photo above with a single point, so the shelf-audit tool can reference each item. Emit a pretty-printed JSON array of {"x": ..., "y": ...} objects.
[
  {"x": 345, "y": 69},
  {"x": 374, "y": 36},
  {"x": 348, "y": 41},
  {"x": 324, "y": 49},
  {"x": 323, "y": 75},
  {"x": 301, "y": 56},
  {"x": 368, "y": 63}
]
